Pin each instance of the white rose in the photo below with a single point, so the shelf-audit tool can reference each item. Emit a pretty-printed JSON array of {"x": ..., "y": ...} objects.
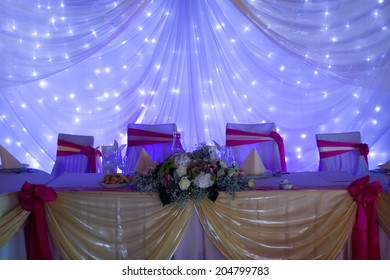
[
  {"x": 203, "y": 180},
  {"x": 181, "y": 171},
  {"x": 182, "y": 160},
  {"x": 184, "y": 183}
]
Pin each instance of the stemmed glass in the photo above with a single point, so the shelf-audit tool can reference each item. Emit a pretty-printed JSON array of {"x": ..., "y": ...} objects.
[
  {"x": 108, "y": 160},
  {"x": 124, "y": 165},
  {"x": 231, "y": 158}
]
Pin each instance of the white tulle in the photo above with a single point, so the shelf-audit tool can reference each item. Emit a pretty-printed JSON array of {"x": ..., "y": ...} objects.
[{"x": 92, "y": 67}]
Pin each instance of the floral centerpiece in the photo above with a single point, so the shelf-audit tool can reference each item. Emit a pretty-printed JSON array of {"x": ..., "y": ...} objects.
[{"x": 196, "y": 175}]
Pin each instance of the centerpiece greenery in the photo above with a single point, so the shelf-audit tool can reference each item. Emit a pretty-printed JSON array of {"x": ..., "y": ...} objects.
[{"x": 192, "y": 176}]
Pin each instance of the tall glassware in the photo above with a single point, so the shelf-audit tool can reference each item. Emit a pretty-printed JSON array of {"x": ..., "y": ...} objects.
[{"x": 176, "y": 143}]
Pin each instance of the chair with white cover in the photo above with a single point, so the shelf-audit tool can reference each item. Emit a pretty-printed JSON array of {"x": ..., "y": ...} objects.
[
  {"x": 241, "y": 139},
  {"x": 343, "y": 151},
  {"x": 155, "y": 139},
  {"x": 75, "y": 154}
]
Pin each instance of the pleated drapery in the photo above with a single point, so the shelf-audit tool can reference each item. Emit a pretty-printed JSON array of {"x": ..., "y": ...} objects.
[{"x": 253, "y": 225}]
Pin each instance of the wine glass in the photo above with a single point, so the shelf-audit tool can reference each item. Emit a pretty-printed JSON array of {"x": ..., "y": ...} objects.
[{"x": 124, "y": 165}]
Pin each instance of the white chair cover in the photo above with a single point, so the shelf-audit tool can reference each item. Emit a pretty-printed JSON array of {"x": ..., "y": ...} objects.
[
  {"x": 351, "y": 161},
  {"x": 78, "y": 163},
  {"x": 267, "y": 150},
  {"x": 157, "y": 151}
]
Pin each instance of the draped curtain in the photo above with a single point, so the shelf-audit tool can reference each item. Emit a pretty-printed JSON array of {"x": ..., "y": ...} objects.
[
  {"x": 255, "y": 225},
  {"x": 92, "y": 67}
]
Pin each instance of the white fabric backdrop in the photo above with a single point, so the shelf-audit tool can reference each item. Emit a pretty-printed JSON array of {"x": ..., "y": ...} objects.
[{"x": 92, "y": 67}]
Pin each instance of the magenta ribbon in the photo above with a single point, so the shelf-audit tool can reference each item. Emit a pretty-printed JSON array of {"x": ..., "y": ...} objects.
[
  {"x": 245, "y": 138},
  {"x": 362, "y": 147},
  {"x": 139, "y": 137},
  {"x": 90, "y": 152},
  {"x": 32, "y": 198},
  {"x": 365, "y": 238}
]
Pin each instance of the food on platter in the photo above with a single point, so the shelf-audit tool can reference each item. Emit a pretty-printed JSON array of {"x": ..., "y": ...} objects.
[{"x": 116, "y": 179}]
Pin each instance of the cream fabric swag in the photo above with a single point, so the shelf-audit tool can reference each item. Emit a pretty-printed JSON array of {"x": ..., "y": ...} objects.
[{"x": 253, "y": 225}]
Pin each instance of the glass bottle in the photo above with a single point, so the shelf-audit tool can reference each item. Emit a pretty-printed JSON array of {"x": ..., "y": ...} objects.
[{"x": 176, "y": 145}]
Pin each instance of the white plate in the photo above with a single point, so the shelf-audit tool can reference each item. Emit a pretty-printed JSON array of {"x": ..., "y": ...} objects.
[
  {"x": 6, "y": 170},
  {"x": 381, "y": 167},
  {"x": 265, "y": 175},
  {"x": 113, "y": 186}
]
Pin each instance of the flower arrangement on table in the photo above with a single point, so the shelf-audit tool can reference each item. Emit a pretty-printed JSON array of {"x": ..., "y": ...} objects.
[{"x": 196, "y": 175}]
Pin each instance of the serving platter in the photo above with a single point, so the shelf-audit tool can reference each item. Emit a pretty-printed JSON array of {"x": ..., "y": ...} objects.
[{"x": 113, "y": 186}]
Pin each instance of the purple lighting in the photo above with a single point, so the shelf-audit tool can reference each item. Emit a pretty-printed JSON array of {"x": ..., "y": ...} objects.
[{"x": 93, "y": 67}]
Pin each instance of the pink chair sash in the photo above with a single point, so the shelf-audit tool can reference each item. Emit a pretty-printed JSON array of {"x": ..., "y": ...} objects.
[
  {"x": 236, "y": 137},
  {"x": 332, "y": 148},
  {"x": 32, "y": 198},
  {"x": 365, "y": 238},
  {"x": 66, "y": 148},
  {"x": 139, "y": 137}
]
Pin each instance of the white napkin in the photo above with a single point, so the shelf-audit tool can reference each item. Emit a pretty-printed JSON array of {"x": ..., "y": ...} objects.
[
  {"x": 8, "y": 161},
  {"x": 386, "y": 165},
  {"x": 144, "y": 162},
  {"x": 253, "y": 165}
]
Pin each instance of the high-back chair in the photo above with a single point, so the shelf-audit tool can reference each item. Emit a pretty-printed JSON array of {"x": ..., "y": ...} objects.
[
  {"x": 343, "y": 152},
  {"x": 75, "y": 154},
  {"x": 156, "y": 139},
  {"x": 242, "y": 138}
]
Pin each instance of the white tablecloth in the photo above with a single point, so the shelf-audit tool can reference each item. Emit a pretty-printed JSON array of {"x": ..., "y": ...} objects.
[
  {"x": 305, "y": 179},
  {"x": 13, "y": 181}
]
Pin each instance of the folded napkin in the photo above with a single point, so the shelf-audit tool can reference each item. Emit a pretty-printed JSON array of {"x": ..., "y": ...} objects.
[
  {"x": 144, "y": 162},
  {"x": 8, "y": 161},
  {"x": 386, "y": 165},
  {"x": 253, "y": 165}
]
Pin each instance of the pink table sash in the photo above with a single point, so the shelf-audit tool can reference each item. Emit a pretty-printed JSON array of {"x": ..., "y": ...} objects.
[
  {"x": 139, "y": 137},
  {"x": 365, "y": 238},
  {"x": 332, "y": 148},
  {"x": 236, "y": 137},
  {"x": 66, "y": 148},
  {"x": 32, "y": 198}
]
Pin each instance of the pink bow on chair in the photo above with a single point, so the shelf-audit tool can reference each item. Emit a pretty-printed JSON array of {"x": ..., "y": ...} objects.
[
  {"x": 365, "y": 239},
  {"x": 332, "y": 148},
  {"x": 139, "y": 137},
  {"x": 236, "y": 137},
  {"x": 66, "y": 148}
]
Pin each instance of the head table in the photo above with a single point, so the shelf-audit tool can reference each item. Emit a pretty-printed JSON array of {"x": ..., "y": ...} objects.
[{"x": 313, "y": 220}]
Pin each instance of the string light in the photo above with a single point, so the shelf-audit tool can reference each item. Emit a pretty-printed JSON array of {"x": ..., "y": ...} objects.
[{"x": 199, "y": 65}]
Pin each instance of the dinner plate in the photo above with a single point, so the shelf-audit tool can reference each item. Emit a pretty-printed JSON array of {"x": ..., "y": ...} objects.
[
  {"x": 265, "y": 175},
  {"x": 11, "y": 170},
  {"x": 113, "y": 186},
  {"x": 381, "y": 166}
]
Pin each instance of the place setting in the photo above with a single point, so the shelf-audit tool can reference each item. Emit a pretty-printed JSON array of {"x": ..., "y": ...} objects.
[{"x": 11, "y": 165}]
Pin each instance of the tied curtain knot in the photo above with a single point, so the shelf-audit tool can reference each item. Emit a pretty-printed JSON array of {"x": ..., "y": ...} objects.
[
  {"x": 32, "y": 198},
  {"x": 365, "y": 239}
]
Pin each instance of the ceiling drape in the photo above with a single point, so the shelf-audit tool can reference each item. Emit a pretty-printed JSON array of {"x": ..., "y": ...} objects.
[{"x": 92, "y": 67}]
